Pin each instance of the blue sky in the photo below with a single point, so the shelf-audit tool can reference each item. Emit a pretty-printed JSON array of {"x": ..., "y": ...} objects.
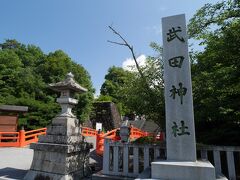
[{"x": 80, "y": 27}]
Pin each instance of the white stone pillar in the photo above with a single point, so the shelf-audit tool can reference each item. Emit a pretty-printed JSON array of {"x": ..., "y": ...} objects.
[
  {"x": 181, "y": 145},
  {"x": 180, "y": 130}
]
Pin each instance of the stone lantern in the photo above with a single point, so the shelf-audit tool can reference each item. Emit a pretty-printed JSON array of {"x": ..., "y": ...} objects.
[
  {"x": 125, "y": 132},
  {"x": 61, "y": 153},
  {"x": 67, "y": 88}
]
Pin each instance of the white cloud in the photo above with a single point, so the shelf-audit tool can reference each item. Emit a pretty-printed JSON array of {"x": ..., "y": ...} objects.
[
  {"x": 156, "y": 29},
  {"x": 130, "y": 65},
  {"x": 163, "y": 9}
]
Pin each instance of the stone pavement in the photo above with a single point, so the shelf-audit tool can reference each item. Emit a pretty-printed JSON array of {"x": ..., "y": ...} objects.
[{"x": 15, "y": 162}]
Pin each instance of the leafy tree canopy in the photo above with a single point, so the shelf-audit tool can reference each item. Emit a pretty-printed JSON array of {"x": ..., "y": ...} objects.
[
  {"x": 215, "y": 72},
  {"x": 111, "y": 89},
  {"x": 213, "y": 18},
  {"x": 25, "y": 72}
]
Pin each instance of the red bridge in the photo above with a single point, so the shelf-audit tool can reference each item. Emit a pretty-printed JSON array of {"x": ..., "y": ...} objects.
[
  {"x": 134, "y": 134},
  {"x": 24, "y": 138}
]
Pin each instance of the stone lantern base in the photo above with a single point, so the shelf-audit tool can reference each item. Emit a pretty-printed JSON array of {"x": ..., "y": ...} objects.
[
  {"x": 55, "y": 161},
  {"x": 61, "y": 154}
]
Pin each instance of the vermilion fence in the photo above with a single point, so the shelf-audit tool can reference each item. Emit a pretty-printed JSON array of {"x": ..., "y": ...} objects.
[
  {"x": 100, "y": 140},
  {"x": 134, "y": 134},
  {"x": 24, "y": 138},
  {"x": 21, "y": 138},
  {"x": 99, "y": 137},
  {"x": 88, "y": 131},
  {"x": 137, "y": 133}
]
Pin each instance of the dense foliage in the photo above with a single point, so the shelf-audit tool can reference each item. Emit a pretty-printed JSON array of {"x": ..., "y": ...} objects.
[
  {"x": 216, "y": 73},
  {"x": 112, "y": 88},
  {"x": 25, "y": 72}
]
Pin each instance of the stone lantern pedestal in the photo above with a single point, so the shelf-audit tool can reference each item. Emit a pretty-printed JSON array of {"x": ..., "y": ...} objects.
[{"x": 61, "y": 154}]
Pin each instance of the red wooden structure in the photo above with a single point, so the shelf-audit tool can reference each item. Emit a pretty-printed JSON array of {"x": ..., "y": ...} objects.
[
  {"x": 9, "y": 136},
  {"x": 134, "y": 134},
  {"x": 9, "y": 117},
  {"x": 24, "y": 138},
  {"x": 21, "y": 138}
]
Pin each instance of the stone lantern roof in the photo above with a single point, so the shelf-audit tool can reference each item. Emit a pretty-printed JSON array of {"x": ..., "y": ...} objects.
[
  {"x": 67, "y": 88},
  {"x": 68, "y": 84}
]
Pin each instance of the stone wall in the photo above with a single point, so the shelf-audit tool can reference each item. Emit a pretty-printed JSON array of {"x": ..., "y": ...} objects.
[{"x": 105, "y": 113}]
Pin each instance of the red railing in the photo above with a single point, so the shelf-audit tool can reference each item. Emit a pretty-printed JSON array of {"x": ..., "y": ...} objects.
[
  {"x": 21, "y": 138},
  {"x": 134, "y": 134},
  {"x": 137, "y": 133},
  {"x": 88, "y": 131},
  {"x": 9, "y": 139},
  {"x": 100, "y": 140},
  {"x": 24, "y": 138}
]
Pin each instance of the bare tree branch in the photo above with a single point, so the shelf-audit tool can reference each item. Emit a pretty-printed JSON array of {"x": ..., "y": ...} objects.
[
  {"x": 118, "y": 34},
  {"x": 113, "y": 42},
  {"x": 125, "y": 43},
  {"x": 144, "y": 80}
]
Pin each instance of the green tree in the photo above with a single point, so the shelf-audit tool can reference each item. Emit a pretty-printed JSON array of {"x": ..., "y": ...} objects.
[
  {"x": 25, "y": 72},
  {"x": 10, "y": 44},
  {"x": 56, "y": 66},
  {"x": 111, "y": 89},
  {"x": 145, "y": 96},
  {"x": 10, "y": 67},
  {"x": 215, "y": 72},
  {"x": 213, "y": 18},
  {"x": 140, "y": 93}
]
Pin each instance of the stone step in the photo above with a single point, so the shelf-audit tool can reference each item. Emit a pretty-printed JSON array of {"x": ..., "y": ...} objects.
[
  {"x": 100, "y": 176},
  {"x": 146, "y": 174},
  {"x": 221, "y": 177}
]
